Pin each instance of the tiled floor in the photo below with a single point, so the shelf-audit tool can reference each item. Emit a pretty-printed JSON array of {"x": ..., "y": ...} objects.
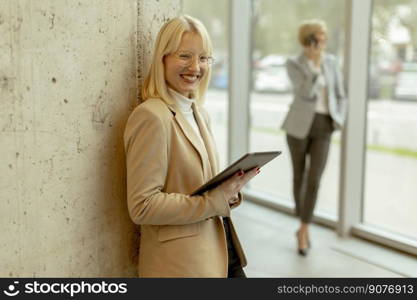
[{"x": 269, "y": 240}]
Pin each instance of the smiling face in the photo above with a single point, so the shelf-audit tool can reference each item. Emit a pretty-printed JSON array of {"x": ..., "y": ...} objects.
[{"x": 185, "y": 79}]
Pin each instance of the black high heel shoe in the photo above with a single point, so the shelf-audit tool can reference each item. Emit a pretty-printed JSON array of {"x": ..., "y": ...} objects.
[{"x": 302, "y": 251}]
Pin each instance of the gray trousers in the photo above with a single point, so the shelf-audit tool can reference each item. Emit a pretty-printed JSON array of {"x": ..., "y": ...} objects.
[{"x": 309, "y": 157}]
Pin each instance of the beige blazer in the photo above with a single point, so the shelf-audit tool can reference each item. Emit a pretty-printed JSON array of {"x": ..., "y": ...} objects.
[{"x": 181, "y": 235}]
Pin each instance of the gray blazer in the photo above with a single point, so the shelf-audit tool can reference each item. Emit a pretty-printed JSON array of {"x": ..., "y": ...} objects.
[{"x": 306, "y": 88}]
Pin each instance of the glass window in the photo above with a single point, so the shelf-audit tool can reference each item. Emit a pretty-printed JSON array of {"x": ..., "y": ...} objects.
[
  {"x": 391, "y": 154},
  {"x": 275, "y": 25},
  {"x": 214, "y": 15}
]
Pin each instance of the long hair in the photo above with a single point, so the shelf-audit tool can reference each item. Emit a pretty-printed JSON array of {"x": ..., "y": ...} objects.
[{"x": 167, "y": 42}]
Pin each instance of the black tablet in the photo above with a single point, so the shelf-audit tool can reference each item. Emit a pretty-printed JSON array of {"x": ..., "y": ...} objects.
[{"x": 245, "y": 163}]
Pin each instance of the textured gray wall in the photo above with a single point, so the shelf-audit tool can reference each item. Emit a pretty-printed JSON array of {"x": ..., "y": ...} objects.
[{"x": 69, "y": 75}]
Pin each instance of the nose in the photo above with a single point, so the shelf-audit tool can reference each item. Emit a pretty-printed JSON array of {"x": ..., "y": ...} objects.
[{"x": 195, "y": 65}]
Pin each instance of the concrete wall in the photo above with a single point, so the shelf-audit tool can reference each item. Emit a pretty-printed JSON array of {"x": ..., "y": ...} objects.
[{"x": 69, "y": 74}]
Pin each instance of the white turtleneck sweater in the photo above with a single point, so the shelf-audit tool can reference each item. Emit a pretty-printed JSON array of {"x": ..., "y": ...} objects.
[{"x": 185, "y": 106}]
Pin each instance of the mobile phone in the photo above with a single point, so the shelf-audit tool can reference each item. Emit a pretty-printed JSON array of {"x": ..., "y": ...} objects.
[{"x": 312, "y": 40}]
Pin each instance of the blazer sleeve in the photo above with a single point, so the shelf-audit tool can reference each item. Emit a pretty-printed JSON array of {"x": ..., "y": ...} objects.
[
  {"x": 340, "y": 91},
  {"x": 340, "y": 87},
  {"x": 305, "y": 84},
  {"x": 147, "y": 160}
]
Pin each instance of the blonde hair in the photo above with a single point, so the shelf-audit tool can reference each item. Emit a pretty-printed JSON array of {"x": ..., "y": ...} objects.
[
  {"x": 167, "y": 42},
  {"x": 309, "y": 27}
]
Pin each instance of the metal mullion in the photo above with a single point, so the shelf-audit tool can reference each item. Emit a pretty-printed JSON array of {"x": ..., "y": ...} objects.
[
  {"x": 353, "y": 153},
  {"x": 239, "y": 79}
]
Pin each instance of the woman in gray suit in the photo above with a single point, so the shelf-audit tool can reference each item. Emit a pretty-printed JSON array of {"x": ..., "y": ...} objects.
[{"x": 318, "y": 108}]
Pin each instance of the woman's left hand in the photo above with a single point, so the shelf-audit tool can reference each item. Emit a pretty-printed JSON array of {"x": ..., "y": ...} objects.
[{"x": 234, "y": 184}]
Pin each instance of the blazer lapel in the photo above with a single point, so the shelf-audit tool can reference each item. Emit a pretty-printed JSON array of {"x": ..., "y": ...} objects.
[
  {"x": 208, "y": 141},
  {"x": 326, "y": 72},
  {"x": 191, "y": 135},
  {"x": 329, "y": 81}
]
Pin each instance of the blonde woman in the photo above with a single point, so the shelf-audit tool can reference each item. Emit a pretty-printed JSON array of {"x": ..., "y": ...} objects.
[
  {"x": 169, "y": 153},
  {"x": 317, "y": 109}
]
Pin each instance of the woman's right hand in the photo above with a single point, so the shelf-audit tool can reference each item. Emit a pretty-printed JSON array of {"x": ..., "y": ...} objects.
[
  {"x": 234, "y": 184},
  {"x": 314, "y": 53}
]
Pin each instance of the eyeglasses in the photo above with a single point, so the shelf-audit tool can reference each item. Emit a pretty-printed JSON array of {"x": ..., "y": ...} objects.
[{"x": 187, "y": 58}]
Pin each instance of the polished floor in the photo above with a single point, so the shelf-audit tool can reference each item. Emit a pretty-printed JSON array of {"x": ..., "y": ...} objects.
[{"x": 269, "y": 240}]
